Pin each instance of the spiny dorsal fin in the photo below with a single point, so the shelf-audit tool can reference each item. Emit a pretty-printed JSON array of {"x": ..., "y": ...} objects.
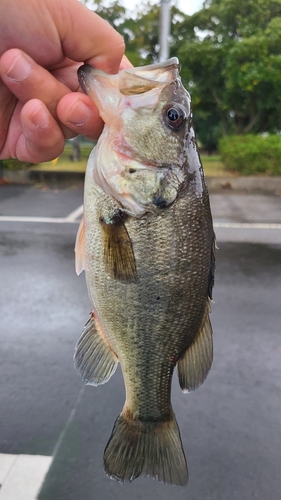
[
  {"x": 94, "y": 359},
  {"x": 194, "y": 366},
  {"x": 119, "y": 256},
  {"x": 80, "y": 248}
]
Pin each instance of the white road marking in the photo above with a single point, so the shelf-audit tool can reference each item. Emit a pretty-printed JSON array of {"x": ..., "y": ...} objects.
[
  {"x": 73, "y": 217},
  {"x": 22, "y": 218},
  {"x": 75, "y": 214},
  {"x": 6, "y": 463},
  {"x": 22, "y": 475}
]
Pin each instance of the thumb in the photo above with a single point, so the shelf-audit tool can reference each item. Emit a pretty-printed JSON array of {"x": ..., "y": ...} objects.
[{"x": 87, "y": 37}]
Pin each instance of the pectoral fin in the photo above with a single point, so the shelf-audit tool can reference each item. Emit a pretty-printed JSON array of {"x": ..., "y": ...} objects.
[
  {"x": 119, "y": 256},
  {"x": 94, "y": 359},
  {"x": 194, "y": 366}
]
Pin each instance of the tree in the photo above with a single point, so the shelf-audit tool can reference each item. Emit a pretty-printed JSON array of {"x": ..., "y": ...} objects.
[
  {"x": 230, "y": 55},
  {"x": 140, "y": 30},
  {"x": 231, "y": 61},
  {"x": 115, "y": 13}
]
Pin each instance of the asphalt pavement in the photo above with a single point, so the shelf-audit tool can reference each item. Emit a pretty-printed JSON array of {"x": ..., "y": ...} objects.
[{"x": 230, "y": 426}]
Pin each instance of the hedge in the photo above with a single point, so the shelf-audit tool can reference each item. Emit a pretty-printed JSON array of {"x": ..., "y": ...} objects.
[{"x": 251, "y": 154}]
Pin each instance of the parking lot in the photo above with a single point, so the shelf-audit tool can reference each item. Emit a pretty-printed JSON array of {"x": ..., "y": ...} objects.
[{"x": 230, "y": 426}]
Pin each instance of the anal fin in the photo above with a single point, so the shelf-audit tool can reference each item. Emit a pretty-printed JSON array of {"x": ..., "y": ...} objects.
[
  {"x": 94, "y": 359},
  {"x": 194, "y": 366}
]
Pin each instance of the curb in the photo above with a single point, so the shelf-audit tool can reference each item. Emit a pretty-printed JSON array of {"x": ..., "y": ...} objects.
[
  {"x": 58, "y": 178},
  {"x": 265, "y": 184},
  {"x": 52, "y": 178}
]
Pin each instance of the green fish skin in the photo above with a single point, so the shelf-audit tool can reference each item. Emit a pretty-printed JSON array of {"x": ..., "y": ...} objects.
[{"x": 147, "y": 244}]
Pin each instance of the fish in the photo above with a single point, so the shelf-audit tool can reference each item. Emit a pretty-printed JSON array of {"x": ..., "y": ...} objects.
[{"x": 147, "y": 245}]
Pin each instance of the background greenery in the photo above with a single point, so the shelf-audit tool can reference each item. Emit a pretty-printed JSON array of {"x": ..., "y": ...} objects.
[
  {"x": 252, "y": 154},
  {"x": 212, "y": 163},
  {"x": 230, "y": 56},
  {"x": 13, "y": 164}
]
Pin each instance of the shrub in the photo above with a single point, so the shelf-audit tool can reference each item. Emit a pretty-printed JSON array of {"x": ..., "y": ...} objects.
[{"x": 251, "y": 154}]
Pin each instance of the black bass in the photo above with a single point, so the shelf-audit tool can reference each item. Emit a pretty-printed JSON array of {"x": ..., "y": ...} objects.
[{"x": 146, "y": 243}]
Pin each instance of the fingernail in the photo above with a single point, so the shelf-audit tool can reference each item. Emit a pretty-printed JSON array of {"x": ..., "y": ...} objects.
[
  {"x": 40, "y": 118},
  {"x": 103, "y": 63},
  {"x": 80, "y": 114},
  {"x": 20, "y": 69}
]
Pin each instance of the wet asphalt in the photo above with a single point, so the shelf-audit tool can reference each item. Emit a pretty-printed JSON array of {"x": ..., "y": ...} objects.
[{"x": 230, "y": 426}]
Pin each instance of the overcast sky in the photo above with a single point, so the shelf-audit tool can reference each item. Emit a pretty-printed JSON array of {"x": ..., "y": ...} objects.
[{"x": 187, "y": 6}]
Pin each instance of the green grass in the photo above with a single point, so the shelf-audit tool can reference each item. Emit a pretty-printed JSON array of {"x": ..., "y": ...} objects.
[
  {"x": 213, "y": 166},
  {"x": 64, "y": 162}
]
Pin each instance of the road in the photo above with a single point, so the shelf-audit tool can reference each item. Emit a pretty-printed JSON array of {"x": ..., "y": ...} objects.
[{"x": 230, "y": 426}]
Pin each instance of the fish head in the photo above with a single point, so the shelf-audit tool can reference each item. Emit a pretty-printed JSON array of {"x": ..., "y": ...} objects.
[{"x": 141, "y": 154}]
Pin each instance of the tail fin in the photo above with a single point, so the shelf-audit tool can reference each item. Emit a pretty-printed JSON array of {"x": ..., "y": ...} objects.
[{"x": 145, "y": 448}]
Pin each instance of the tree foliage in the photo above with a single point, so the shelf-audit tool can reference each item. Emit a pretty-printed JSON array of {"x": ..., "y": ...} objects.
[
  {"x": 231, "y": 56},
  {"x": 140, "y": 31}
]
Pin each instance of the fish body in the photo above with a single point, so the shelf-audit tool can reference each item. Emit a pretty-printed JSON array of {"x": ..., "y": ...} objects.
[{"x": 146, "y": 243}]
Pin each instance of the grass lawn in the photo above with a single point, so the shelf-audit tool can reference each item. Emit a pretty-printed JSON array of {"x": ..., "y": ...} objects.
[
  {"x": 64, "y": 161},
  {"x": 212, "y": 164}
]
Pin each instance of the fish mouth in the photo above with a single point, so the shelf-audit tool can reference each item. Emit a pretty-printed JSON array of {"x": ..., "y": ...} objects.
[
  {"x": 82, "y": 78},
  {"x": 126, "y": 155},
  {"x": 83, "y": 73}
]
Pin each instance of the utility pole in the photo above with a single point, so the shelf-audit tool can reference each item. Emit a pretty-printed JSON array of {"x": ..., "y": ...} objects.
[{"x": 165, "y": 22}]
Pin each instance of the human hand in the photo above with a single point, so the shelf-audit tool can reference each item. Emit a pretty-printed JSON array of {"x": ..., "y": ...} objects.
[{"x": 39, "y": 105}]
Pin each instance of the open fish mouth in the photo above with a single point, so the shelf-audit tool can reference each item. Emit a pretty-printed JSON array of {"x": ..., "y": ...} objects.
[{"x": 134, "y": 80}]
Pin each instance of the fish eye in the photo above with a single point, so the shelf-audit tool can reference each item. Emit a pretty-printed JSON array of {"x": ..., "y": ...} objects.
[{"x": 174, "y": 116}]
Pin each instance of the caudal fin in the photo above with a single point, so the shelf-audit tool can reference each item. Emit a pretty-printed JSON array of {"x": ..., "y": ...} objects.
[{"x": 152, "y": 449}]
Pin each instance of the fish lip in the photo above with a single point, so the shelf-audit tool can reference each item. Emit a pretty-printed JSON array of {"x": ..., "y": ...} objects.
[
  {"x": 124, "y": 158},
  {"x": 173, "y": 61},
  {"x": 84, "y": 70},
  {"x": 82, "y": 74},
  {"x": 127, "y": 155}
]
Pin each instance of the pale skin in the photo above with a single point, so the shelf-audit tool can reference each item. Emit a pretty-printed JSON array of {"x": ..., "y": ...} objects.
[{"x": 42, "y": 44}]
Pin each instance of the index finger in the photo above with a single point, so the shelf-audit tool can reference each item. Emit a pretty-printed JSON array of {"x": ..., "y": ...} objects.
[{"x": 86, "y": 37}]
